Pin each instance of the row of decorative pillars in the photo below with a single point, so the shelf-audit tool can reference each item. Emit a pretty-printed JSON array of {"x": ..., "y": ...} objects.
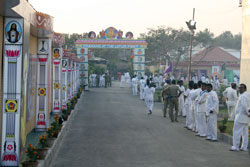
[
  {"x": 12, "y": 72},
  {"x": 44, "y": 54},
  {"x": 139, "y": 62},
  {"x": 82, "y": 55}
]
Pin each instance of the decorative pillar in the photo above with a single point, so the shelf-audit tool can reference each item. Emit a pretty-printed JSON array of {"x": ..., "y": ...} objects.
[
  {"x": 82, "y": 54},
  {"x": 69, "y": 79},
  {"x": 44, "y": 47},
  {"x": 57, "y": 54},
  {"x": 64, "y": 82},
  {"x": 139, "y": 62},
  {"x": 12, "y": 74}
]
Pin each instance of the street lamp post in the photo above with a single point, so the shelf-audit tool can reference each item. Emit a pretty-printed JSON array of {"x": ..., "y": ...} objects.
[{"x": 191, "y": 26}]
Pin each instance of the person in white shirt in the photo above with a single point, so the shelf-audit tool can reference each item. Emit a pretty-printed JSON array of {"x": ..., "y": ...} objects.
[
  {"x": 156, "y": 81},
  {"x": 207, "y": 80},
  {"x": 149, "y": 97},
  {"x": 188, "y": 103},
  {"x": 160, "y": 81},
  {"x": 201, "y": 112},
  {"x": 212, "y": 111},
  {"x": 230, "y": 94},
  {"x": 203, "y": 79},
  {"x": 196, "y": 106},
  {"x": 181, "y": 99},
  {"x": 193, "y": 95},
  {"x": 134, "y": 85},
  {"x": 122, "y": 81},
  {"x": 142, "y": 86},
  {"x": 242, "y": 119}
]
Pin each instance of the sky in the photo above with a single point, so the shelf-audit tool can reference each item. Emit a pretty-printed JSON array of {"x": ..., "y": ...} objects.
[{"x": 137, "y": 16}]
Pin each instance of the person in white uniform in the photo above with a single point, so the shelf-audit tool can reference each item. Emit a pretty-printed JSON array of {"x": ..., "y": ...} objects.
[
  {"x": 201, "y": 112},
  {"x": 207, "y": 80},
  {"x": 193, "y": 96},
  {"x": 203, "y": 79},
  {"x": 197, "y": 92},
  {"x": 134, "y": 85},
  {"x": 156, "y": 81},
  {"x": 188, "y": 103},
  {"x": 142, "y": 86},
  {"x": 242, "y": 119},
  {"x": 160, "y": 81},
  {"x": 231, "y": 95},
  {"x": 149, "y": 97},
  {"x": 122, "y": 81},
  {"x": 181, "y": 99},
  {"x": 212, "y": 111}
]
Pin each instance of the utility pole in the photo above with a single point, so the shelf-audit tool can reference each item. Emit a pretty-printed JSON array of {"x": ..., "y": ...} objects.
[{"x": 191, "y": 26}]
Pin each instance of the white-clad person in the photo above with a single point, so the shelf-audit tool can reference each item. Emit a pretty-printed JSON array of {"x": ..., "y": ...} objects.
[
  {"x": 212, "y": 111},
  {"x": 201, "y": 112},
  {"x": 242, "y": 119},
  {"x": 142, "y": 86},
  {"x": 134, "y": 85},
  {"x": 122, "y": 81},
  {"x": 203, "y": 78},
  {"x": 181, "y": 108},
  {"x": 207, "y": 80},
  {"x": 230, "y": 94},
  {"x": 160, "y": 81},
  {"x": 149, "y": 96},
  {"x": 188, "y": 103},
  {"x": 193, "y": 95},
  {"x": 156, "y": 81},
  {"x": 197, "y": 92}
]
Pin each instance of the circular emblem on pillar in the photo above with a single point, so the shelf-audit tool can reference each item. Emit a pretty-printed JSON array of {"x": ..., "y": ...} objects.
[
  {"x": 56, "y": 85},
  {"x": 64, "y": 88},
  {"x": 11, "y": 105},
  {"x": 41, "y": 91}
]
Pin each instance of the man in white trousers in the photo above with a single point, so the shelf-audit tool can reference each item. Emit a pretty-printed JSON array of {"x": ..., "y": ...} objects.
[
  {"x": 193, "y": 95},
  {"x": 188, "y": 103},
  {"x": 201, "y": 112},
  {"x": 134, "y": 85},
  {"x": 231, "y": 95},
  {"x": 122, "y": 81},
  {"x": 197, "y": 92},
  {"x": 181, "y": 99},
  {"x": 142, "y": 86},
  {"x": 212, "y": 111},
  {"x": 242, "y": 119},
  {"x": 149, "y": 97}
]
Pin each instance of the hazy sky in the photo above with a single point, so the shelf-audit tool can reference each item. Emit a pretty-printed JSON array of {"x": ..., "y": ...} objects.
[{"x": 138, "y": 15}]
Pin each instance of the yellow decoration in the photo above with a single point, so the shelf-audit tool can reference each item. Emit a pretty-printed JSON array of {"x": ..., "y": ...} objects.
[
  {"x": 41, "y": 91},
  {"x": 11, "y": 105}
]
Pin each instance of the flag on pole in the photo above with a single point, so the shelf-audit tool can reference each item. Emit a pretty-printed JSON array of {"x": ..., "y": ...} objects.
[{"x": 169, "y": 67}]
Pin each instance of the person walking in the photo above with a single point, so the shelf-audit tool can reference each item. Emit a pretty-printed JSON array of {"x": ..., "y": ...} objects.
[
  {"x": 149, "y": 97},
  {"x": 142, "y": 86},
  {"x": 212, "y": 111},
  {"x": 242, "y": 119},
  {"x": 174, "y": 93},
  {"x": 201, "y": 112},
  {"x": 134, "y": 85},
  {"x": 122, "y": 81},
  {"x": 231, "y": 99}
]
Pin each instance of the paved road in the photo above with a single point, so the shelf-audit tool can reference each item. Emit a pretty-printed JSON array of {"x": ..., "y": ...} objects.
[{"x": 112, "y": 129}]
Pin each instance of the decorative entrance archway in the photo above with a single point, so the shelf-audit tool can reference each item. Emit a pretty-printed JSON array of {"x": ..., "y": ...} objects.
[{"x": 113, "y": 39}]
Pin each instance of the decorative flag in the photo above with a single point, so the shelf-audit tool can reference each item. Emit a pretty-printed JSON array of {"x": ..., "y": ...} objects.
[{"x": 169, "y": 67}]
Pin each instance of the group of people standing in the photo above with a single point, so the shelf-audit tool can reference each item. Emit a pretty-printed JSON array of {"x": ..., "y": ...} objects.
[{"x": 103, "y": 80}]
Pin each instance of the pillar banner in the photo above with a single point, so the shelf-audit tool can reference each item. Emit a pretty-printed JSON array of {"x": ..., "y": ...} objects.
[
  {"x": 69, "y": 80},
  {"x": 82, "y": 54},
  {"x": 12, "y": 73},
  {"x": 57, "y": 55},
  {"x": 43, "y": 54},
  {"x": 139, "y": 62}
]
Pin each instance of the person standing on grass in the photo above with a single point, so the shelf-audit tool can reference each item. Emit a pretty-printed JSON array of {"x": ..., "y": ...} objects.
[
  {"x": 231, "y": 95},
  {"x": 242, "y": 119},
  {"x": 212, "y": 111},
  {"x": 149, "y": 92}
]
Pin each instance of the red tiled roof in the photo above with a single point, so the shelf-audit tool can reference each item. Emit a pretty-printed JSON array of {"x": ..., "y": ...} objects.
[{"x": 214, "y": 54}]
